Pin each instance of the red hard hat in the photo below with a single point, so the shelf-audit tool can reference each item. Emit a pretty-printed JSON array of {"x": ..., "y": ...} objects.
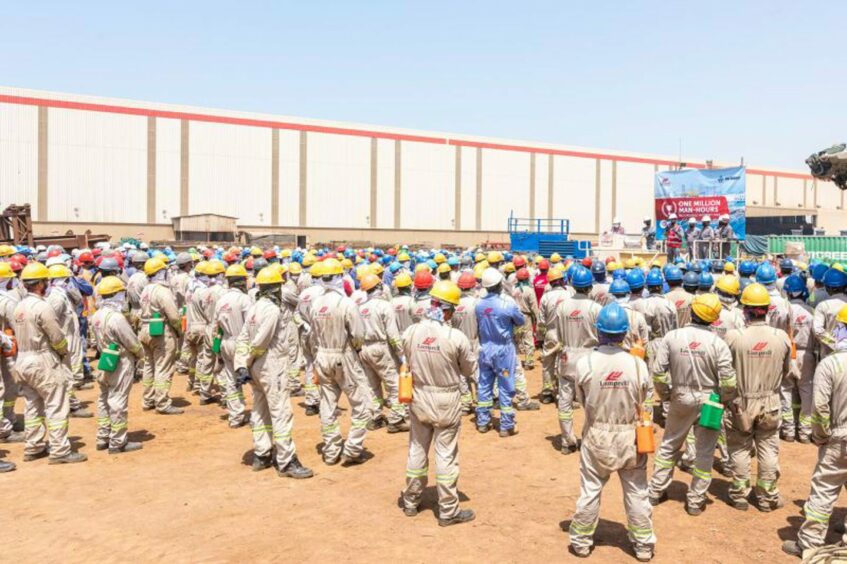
[
  {"x": 392, "y": 251},
  {"x": 16, "y": 265},
  {"x": 249, "y": 264},
  {"x": 373, "y": 258},
  {"x": 21, "y": 259},
  {"x": 269, "y": 254},
  {"x": 466, "y": 280},
  {"x": 86, "y": 257},
  {"x": 96, "y": 252},
  {"x": 230, "y": 258},
  {"x": 54, "y": 253},
  {"x": 543, "y": 265},
  {"x": 586, "y": 262},
  {"x": 519, "y": 261},
  {"x": 610, "y": 259},
  {"x": 424, "y": 280},
  {"x": 340, "y": 249},
  {"x": 522, "y": 274}
]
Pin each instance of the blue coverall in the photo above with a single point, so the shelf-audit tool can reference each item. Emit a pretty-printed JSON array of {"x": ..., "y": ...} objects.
[{"x": 497, "y": 318}]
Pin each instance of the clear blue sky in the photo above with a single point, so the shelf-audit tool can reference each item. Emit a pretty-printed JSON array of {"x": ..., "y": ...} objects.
[{"x": 766, "y": 80}]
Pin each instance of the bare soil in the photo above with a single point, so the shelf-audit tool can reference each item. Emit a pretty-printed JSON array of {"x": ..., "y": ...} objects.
[{"x": 190, "y": 496}]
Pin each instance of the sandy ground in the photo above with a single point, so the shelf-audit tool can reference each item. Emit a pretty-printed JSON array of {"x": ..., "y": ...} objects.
[{"x": 190, "y": 496}]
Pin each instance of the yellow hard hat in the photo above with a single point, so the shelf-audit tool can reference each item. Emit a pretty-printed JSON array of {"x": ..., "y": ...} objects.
[
  {"x": 6, "y": 250},
  {"x": 656, "y": 262},
  {"x": 215, "y": 267},
  {"x": 639, "y": 261},
  {"x": 707, "y": 307},
  {"x": 308, "y": 260},
  {"x": 842, "y": 314},
  {"x": 403, "y": 257},
  {"x": 361, "y": 270},
  {"x": 236, "y": 271},
  {"x": 554, "y": 274},
  {"x": 295, "y": 268},
  {"x": 443, "y": 267},
  {"x": 316, "y": 270},
  {"x": 6, "y": 271},
  {"x": 509, "y": 267},
  {"x": 268, "y": 276},
  {"x": 402, "y": 280},
  {"x": 729, "y": 284},
  {"x": 421, "y": 266},
  {"x": 59, "y": 271},
  {"x": 728, "y": 267},
  {"x": 377, "y": 268},
  {"x": 202, "y": 267},
  {"x": 479, "y": 257},
  {"x": 35, "y": 271},
  {"x": 802, "y": 266},
  {"x": 755, "y": 295},
  {"x": 439, "y": 258},
  {"x": 110, "y": 285},
  {"x": 446, "y": 291},
  {"x": 332, "y": 267},
  {"x": 347, "y": 264},
  {"x": 255, "y": 251},
  {"x": 613, "y": 266},
  {"x": 555, "y": 257},
  {"x": 629, "y": 263},
  {"x": 285, "y": 253},
  {"x": 494, "y": 257},
  {"x": 153, "y": 265},
  {"x": 479, "y": 269},
  {"x": 370, "y": 281}
]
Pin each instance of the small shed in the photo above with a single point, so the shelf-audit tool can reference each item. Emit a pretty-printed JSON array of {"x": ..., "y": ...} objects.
[{"x": 205, "y": 227}]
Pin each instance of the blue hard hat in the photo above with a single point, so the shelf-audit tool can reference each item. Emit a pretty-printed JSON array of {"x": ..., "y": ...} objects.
[
  {"x": 619, "y": 287},
  {"x": 386, "y": 260},
  {"x": 581, "y": 278},
  {"x": 654, "y": 278},
  {"x": 747, "y": 268},
  {"x": 507, "y": 256},
  {"x": 765, "y": 274},
  {"x": 794, "y": 285},
  {"x": 786, "y": 265},
  {"x": 691, "y": 279},
  {"x": 394, "y": 267},
  {"x": 432, "y": 264},
  {"x": 635, "y": 279},
  {"x": 618, "y": 274},
  {"x": 673, "y": 274},
  {"x": 706, "y": 281},
  {"x": 695, "y": 267},
  {"x": 613, "y": 320},
  {"x": 835, "y": 278},
  {"x": 744, "y": 282},
  {"x": 818, "y": 270},
  {"x": 453, "y": 261},
  {"x": 705, "y": 266},
  {"x": 598, "y": 267}
]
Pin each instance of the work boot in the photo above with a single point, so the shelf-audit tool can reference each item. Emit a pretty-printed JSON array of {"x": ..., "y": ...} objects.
[
  {"x": 467, "y": 409},
  {"x": 70, "y": 458},
  {"x": 208, "y": 401},
  {"x": 84, "y": 385},
  {"x": 237, "y": 424},
  {"x": 148, "y": 407},
  {"x": 787, "y": 437},
  {"x": 348, "y": 461},
  {"x": 13, "y": 437},
  {"x": 483, "y": 428},
  {"x": 683, "y": 466},
  {"x": 295, "y": 470},
  {"x": 693, "y": 510},
  {"x": 299, "y": 392},
  {"x": 839, "y": 528},
  {"x": 644, "y": 554},
  {"x": 102, "y": 445},
  {"x": 462, "y": 516},
  {"x": 18, "y": 426},
  {"x": 768, "y": 506},
  {"x": 35, "y": 456},
  {"x": 803, "y": 440},
  {"x": 312, "y": 410},
  {"x": 377, "y": 423},
  {"x": 81, "y": 413},
  {"x": 657, "y": 500},
  {"x": 6, "y": 466},
  {"x": 580, "y": 551},
  {"x": 723, "y": 469},
  {"x": 546, "y": 397},
  {"x": 171, "y": 410},
  {"x": 570, "y": 449},
  {"x": 399, "y": 427},
  {"x": 332, "y": 461},
  {"x": 740, "y": 504},
  {"x": 505, "y": 433},
  {"x": 791, "y": 548},
  {"x": 261, "y": 462},
  {"x": 410, "y": 511},
  {"x": 528, "y": 406},
  {"x": 127, "y": 447}
]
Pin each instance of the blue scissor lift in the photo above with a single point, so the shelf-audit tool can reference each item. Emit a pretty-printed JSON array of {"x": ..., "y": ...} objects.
[{"x": 545, "y": 237}]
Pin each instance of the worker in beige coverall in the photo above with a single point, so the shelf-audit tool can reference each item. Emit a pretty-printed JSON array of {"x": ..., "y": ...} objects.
[
  {"x": 547, "y": 333},
  {"x": 382, "y": 353},
  {"x": 762, "y": 358},
  {"x": 230, "y": 312},
  {"x": 195, "y": 326},
  {"x": 439, "y": 357},
  {"x": 159, "y": 351},
  {"x": 338, "y": 334},
  {"x": 524, "y": 294},
  {"x": 262, "y": 356},
  {"x": 690, "y": 364},
  {"x": 9, "y": 298},
  {"x": 797, "y": 392},
  {"x": 44, "y": 381},
  {"x": 829, "y": 432},
  {"x": 111, "y": 327},
  {"x": 464, "y": 319},
  {"x": 204, "y": 300},
  {"x": 615, "y": 388}
]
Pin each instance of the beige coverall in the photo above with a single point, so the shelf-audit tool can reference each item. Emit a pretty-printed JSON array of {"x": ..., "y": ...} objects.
[
  {"x": 380, "y": 354},
  {"x": 824, "y": 321},
  {"x": 600, "y": 294},
  {"x": 419, "y": 307},
  {"x": 159, "y": 352},
  {"x": 230, "y": 311},
  {"x": 549, "y": 339},
  {"x": 206, "y": 300},
  {"x": 195, "y": 333},
  {"x": 690, "y": 364},
  {"x": 575, "y": 327},
  {"x": 680, "y": 299},
  {"x": 44, "y": 376},
  {"x": 181, "y": 286},
  {"x": 613, "y": 386},
  {"x": 307, "y": 343},
  {"x": 110, "y": 326},
  {"x": 439, "y": 357},
  {"x": 403, "y": 311},
  {"x": 464, "y": 319},
  {"x": 524, "y": 295},
  {"x": 797, "y": 393},
  {"x": 762, "y": 358},
  {"x": 9, "y": 393}
]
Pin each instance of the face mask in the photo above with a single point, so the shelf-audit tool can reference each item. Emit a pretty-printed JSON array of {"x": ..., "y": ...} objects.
[
  {"x": 435, "y": 313},
  {"x": 840, "y": 335},
  {"x": 117, "y": 301}
]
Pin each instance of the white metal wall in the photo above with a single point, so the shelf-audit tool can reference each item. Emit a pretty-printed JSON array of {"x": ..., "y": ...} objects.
[
  {"x": 468, "y": 180},
  {"x": 634, "y": 194},
  {"x": 505, "y": 183},
  {"x": 542, "y": 181},
  {"x": 19, "y": 156},
  {"x": 289, "y": 177},
  {"x": 97, "y": 168},
  {"x": 427, "y": 181},
  {"x": 574, "y": 192},
  {"x": 338, "y": 178},
  {"x": 167, "y": 169},
  {"x": 385, "y": 183}
]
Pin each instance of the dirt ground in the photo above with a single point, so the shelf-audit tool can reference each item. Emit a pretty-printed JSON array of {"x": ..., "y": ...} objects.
[{"x": 190, "y": 496}]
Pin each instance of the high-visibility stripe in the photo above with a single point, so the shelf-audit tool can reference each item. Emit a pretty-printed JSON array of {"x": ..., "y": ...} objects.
[
  {"x": 663, "y": 462},
  {"x": 577, "y": 529},
  {"x": 446, "y": 478},
  {"x": 702, "y": 474},
  {"x": 417, "y": 472}
]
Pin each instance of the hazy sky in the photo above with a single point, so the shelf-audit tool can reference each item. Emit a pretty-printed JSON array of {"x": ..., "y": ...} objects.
[{"x": 763, "y": 80}]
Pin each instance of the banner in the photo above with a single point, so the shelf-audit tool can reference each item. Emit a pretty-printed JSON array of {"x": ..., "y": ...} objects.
[{"x": 698, "y": 192}]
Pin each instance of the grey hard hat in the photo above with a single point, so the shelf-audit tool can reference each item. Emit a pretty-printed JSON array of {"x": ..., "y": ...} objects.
[
  {"x": 109, "y": 264},
  {"x": 140, "y": 256},
  {"x": 183, "y": 259}
]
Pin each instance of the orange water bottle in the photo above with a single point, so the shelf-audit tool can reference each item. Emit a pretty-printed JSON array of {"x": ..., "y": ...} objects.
[
  {"x": 404, "y": 394},
  {"x": 13, "y": 352},
  {"x": 645, "y": 441}
]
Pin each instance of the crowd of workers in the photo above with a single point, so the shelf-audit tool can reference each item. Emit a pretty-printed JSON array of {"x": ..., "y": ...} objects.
[{"x": 761, "y": 345}]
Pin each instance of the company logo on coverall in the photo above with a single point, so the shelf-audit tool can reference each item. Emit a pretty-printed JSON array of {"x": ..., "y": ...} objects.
[
  {"x": 613, "y": 380},
  {"x": 428, "y": 345},
  {"x": 760, "y": 349}
]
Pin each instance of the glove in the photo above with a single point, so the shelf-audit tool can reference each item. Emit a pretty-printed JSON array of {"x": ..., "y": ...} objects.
[
  {"x": 6, "y": 343},
  {"x": 242, "y": 376}
]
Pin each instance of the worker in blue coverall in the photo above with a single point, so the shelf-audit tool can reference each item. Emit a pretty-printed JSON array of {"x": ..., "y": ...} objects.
[{"x": 498, "y": 317}]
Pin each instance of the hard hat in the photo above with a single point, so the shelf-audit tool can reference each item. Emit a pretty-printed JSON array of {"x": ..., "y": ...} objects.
[
  {"x": 729, "y": 285},
  {"x": 236, "y": 271},
  {"x": 616, "y": 220},
  {"x": 446, "y": 292},
  {"x": 494, "y": 257},
  {"x": 786, "y": 265},
  {"x": 466, "y": 280},
  {"x": 724, "y": 217},
  {"x": 598, "y": 267},
  {"x": 285, "y": 253},
  {"x": 612, "y": 320},
  {"x": 706, "y": 218},
  {"x": 842, "y": 315},
  {"x": 755, "y": 295},
  {"x": 402, "y": 280},
  {"x": 635, "y": 279},
  {"x": 581, "y": 278},
  {"x": 835, "y": 277},
  {"x": 706, "y": 281},
  {"x": 255, "y": 251},
  {"x": 269, "y": 276},
  {"x": 673, "y": 274},
  {"x": 332, "y": 267},
  {"x": 109, "y": 264},
  {"x": 153, "y": 265},
  {"x": 509, "y": 267},
  {"x": 443, "y": 268},
  {"x": 519, "y": 261},
  {"x": 453, "y": 261},
  {"x": 794, "y": 284},
  {"x": 269, "y": 254},
  {"x": 370, "y": 281},
  {"x": 308, "y": 260},
  {"x": 522, "y": 274},
  {"x": 691, "y": 221},
  {"x": 59, "y": 271},
  {"x": 259, "y": 264},
  {"x": 747, "y": 268},
  {"x": 629, "y": 263},
  {"x": 440, "y": 258},
  {"x": 818, "y": 270},
  {"x": 491, "y": 277},
  {"x": 6, "y": 270},
  {"x": 6, "y": 250},
  {"x": 86, "y": 257},
  {"x": 478, "y": 269},
  {"x": 110, "y": 285},
  {"x": 295, "y": 268},
  {"x": 654, "y": 278},
  {"x": 479, "y": 257},
  {"x": 35, "y": 271},
  {"x": 619, "y": 287},
  {"x": 403, "y": 257},
  {"x": 555, "y": 258},
  {"x": 543, "y": 264},
  {"x": 424, "y": 280},
  {"x": 140, "y": 257},
  {"x": 728, "y": 267},
  {"x": 691, "y": 280},
  {"x": 613, "y": 266},
  {"x": 202, "y": 267},
  {"x": 554, "y": 275},
  {"x": 346, "y": 264},
  {"x": 707, "y": 307},
  {"x": 765, "y": 274},
  {"x": 316, "y": 270},
  {"x": 377, "y": 268}
]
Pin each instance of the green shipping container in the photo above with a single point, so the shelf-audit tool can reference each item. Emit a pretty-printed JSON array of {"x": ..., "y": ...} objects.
[{"x": 817, "y": 247}]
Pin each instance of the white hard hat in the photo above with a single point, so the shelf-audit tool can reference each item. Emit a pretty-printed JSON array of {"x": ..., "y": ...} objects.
[
  {"x": 706, "y": 218},
  {"x": 491, "y": 277},
  {"x": 724, "y": 217},
  {"x": 672, "y": 216},
  {"x": 54, "y": 260},
  {"x": 647, "y": 218},
  {"x": 616, "y": 221},
  {"x": 692, "y": 221}
]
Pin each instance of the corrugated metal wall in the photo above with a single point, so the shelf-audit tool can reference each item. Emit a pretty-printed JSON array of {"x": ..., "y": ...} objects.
[{"x": 18, "y": 155}]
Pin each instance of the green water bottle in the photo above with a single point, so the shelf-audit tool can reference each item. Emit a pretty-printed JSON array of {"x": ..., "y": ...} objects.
[
  {"x": 109, "y": 358},
  {"x": 216, "y": 342},
  {"x": 711, "y": 413},
  {"x": 157, "y": 325}
]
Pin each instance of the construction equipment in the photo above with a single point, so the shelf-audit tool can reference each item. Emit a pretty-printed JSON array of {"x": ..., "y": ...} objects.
[
  {"x": 16, "y": 229},
  {"x": 830, "y": 164},
  {"x": 545, "y": 237}
]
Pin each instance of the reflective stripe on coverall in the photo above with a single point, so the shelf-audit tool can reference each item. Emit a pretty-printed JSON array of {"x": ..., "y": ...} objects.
[
  {"x": 307, "y": 344},
  {"x": 464, "y": 319},
  {"x": 159, "y": 352},
  {"x": 796, "y": 391},
  {"x": 230, "y": 311},
  {"x": 549, "y": 340},
  {"x": 8, "y": 301},
  {"x": 824, "y": 321}
]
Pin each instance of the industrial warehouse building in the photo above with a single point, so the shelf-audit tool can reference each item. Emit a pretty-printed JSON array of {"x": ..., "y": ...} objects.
[{"x": 128, "y": 168}]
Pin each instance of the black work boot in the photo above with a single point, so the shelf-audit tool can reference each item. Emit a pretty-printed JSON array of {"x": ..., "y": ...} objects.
[
  {"x": 102, "y": 445},
  {"x": 127, "y": 447},
  {"x": 504, "y": 433},
  {"x": 295, "y": 470},
  {"x": 528, "y": 406},
  {"x": 792, "y": 548},
  {"x": 208, "y": 401},
  {"x": 547, "y": 397},
  {"x": 377, "y": 423},
  {"x": 171, "y": 410},
  {"x": 399, "y": 427},
  {"x": 13, "y": 437},
  {"x": 261, "y": 462},
  {"x": 462, "y": 516},
  {"x": 6, "y": 466},
  {"x": 81, "y": 413},
  {"x": 71, "y": 458},
  {"x": 36, "y": 456},
  {"x": 312, "y": 410}
]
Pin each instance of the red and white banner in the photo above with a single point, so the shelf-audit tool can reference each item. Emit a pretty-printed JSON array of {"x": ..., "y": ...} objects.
[{"x": 691, "y": 206}]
